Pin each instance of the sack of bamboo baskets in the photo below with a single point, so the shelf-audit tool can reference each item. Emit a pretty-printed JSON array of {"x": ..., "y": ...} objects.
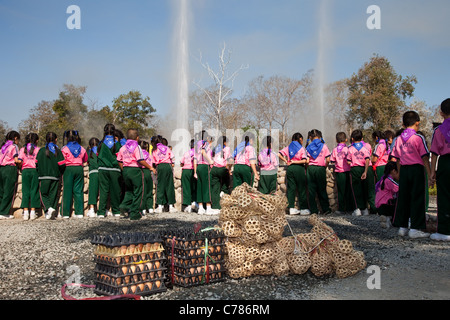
[{"x": 254, "y": 224}]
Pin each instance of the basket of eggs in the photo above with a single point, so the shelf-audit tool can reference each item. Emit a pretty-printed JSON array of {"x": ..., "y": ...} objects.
[{"x": 129, "y": 263}]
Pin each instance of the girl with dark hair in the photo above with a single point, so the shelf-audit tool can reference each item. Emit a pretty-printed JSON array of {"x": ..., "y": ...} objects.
[
  {"x": 295, "y": 157},
  {"x": 220, "y": 174},
  {"x": 245, "y": 160},
  {"x": 50, "y": 166},
  {"x": 75, "y": 156},
  {"x": 9, "y": 162},
  {"x": 380, "y": 154},
  {"x": 188, "y": 182},
  {"x": 386, "y": 191},
  {"x": 109, "y": 173},
  {"x": 30, "y": 178},
  {"x": 342, "y": 173},
  {"x": 93, "y": 176},
  {"x": 316, "y": 174},
  {"x": 268, "y": 163},
  {"x": 165, "y": 188}
]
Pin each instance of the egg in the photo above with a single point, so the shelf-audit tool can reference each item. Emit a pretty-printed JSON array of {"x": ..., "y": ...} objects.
[
  {"x": 144, "y": 276},
  {"x": 125, "y": 290},
  {"x": 119, "y": 281},
  {"x": 127, "y": 279},
  {"x": 157, "y": 264},
  {"x": 149, "y": 285},
  {"x": 133, "y": 268},
  {"x": 123, "y": 249},
  {"x": 124, "y": 269},
  {"x": 133, "y": 288},
  {"x": 141, "y": 286},
  {"x": 158, "y": 284}
]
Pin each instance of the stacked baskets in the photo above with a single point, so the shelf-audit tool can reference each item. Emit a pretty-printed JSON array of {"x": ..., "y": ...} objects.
[
  {"x": 254, "y": 224},
  {"x": 129, "y": 263},
  {"x": 195, "y": 258}
]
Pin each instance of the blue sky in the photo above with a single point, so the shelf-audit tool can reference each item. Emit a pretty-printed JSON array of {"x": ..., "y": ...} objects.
[{"x": 128, "y": 45}]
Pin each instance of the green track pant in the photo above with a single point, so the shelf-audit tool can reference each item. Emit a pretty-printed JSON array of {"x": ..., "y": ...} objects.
[
  {"x": 133, "y": 200},
  {"x": 369, "y": 189},
  {"x": 148, "y": 189},
  {"x": 443, "y": 194},
  {"x": 267, "y": 183},
  {"x": 242, "y": 173},
  {"x": 203, "y": 183},
  {"x": 344, "y": 191},
  {"x": 48, "y": 192},
  {"x": 30, "y": 189},
  {"x": 110, "y": 188},
  {"x": 296, "y": 184},
  {"x": 317, "y": 185},
  {"x": 219, "y": 181},
  {"x": 73, "y": 185},
  {"x": 411, "y": 198},
  {"x": 8, "y": 187},
  {"x": 93, "y": 188},
  {"x": 165, "y": 189},
  {"x": 359, "y": 198},
  {"x": 189, "y": 186}
]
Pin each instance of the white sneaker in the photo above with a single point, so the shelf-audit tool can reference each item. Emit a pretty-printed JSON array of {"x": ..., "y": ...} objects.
[
  {"x": 110, "y": 214},
  {"x": 305, "y": 212},
  {"x": 150, "y": 211},
  {"x": 388, "y": 222},
  {"x": 159, "y": 209},
  {"x": 194, "y": 205},
  {"x": 144, "y": 212},
  {"x": 416, "y": 234},
  {"x": 365, "y": 212},
  {"x": 356, "y": 213},
  {"x": 172, "y": 209},
  {"x": 201, "y": 210},
  {"x": 339, "y": 212},
  {"x": 210, "y": 211},
  {"x": 102, "y": 216},
  {"x": 33, "y": 215},
  {"x": 403, "y": 231},
  {"x": 440, "y": 237},
  {"x": 221, "y": 193},
  {"x": 5, "y": 217},
  {"x": 79, "y": 216},
  {"x": 91, "y": 214},
  {"x": 25, "y": 215},
  {"x": 49, "y": 214},
  {"x": 293, "y": 211},
  {"x": 188, "y": 209}
]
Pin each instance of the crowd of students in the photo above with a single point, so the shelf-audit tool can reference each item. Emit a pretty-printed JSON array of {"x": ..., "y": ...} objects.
[{"x": 391, "y": 180}]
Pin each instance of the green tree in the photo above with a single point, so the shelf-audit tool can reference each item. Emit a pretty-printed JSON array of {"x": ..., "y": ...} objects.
[
  {"x": 377, "y": 95},
  {"x": 131, "y": 110}
]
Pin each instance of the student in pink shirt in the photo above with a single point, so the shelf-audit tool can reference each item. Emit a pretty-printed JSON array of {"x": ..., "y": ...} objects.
[
  {"x": 295, "y": 157},
  {"x": 30, "y": 178},
  {"x": 380, "y": 155},
  {"x": 165, "y": 189},
  {"x": 413, "y": 161},
  {"x": 188, "y": 182},
  {"x": 202, "y": 171},
  {"x": 440, "y": 149},
  {"x": 245, "y": 160},
  {"x": 75, "y": 156},
  {"x": 359, "y": 159},
  {"x": 132, "y": 160},
  {"x": 342, "y": 173},
  {"x": 220, "y": 174},
  {"x": 268, "y": 164},
  {"x": 9, "y": 160},
  {"x": 386, "y": 191},
  {"x": 316, "y": 173}
]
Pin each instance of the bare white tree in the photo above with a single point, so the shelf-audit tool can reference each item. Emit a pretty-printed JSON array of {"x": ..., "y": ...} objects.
[{"x": 219, "y": 93}]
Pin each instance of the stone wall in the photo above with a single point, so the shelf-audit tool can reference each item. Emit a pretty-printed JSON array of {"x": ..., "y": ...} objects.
[{"x": 281, "y": 189}]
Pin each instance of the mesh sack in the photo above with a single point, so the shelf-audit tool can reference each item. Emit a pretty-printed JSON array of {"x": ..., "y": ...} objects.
[
  {"x": 231, "y": 229},
  {"x": 247, "y": 269},
  {"x": 267, "y": 253},
  {"x": 280, "y": 267},
  {"x": 287, "y": 245},
  {"x": 252, "y": 253},
  {"x": 261, "y": 268},
  {"x": 265, "y": 206},
  {"x": 228, "y": 200},
  {"x": 252, "y": 225},
  {"x": 246, "y": 202},
  {"x": 308, "y": 240},
  {"x": 261, "y": 237},
  {"x": 236, "y": 253},
  {"x": 344, "y": 246},
  {"x": 236, "y": 213},
  {"x": 238, "y": 191},
  {"x": 298, "y": 263},
  {"x": 321, "y": 264}
]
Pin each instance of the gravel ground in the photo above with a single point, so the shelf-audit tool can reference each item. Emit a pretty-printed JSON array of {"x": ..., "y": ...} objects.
[{"x": 38, "y": 257}]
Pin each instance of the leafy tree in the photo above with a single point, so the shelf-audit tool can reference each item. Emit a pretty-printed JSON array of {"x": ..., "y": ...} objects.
[
  {"x": 131, "y": 110},
  {"x": 377, "y": 95},
  {"x": 4, "y": 129}
]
